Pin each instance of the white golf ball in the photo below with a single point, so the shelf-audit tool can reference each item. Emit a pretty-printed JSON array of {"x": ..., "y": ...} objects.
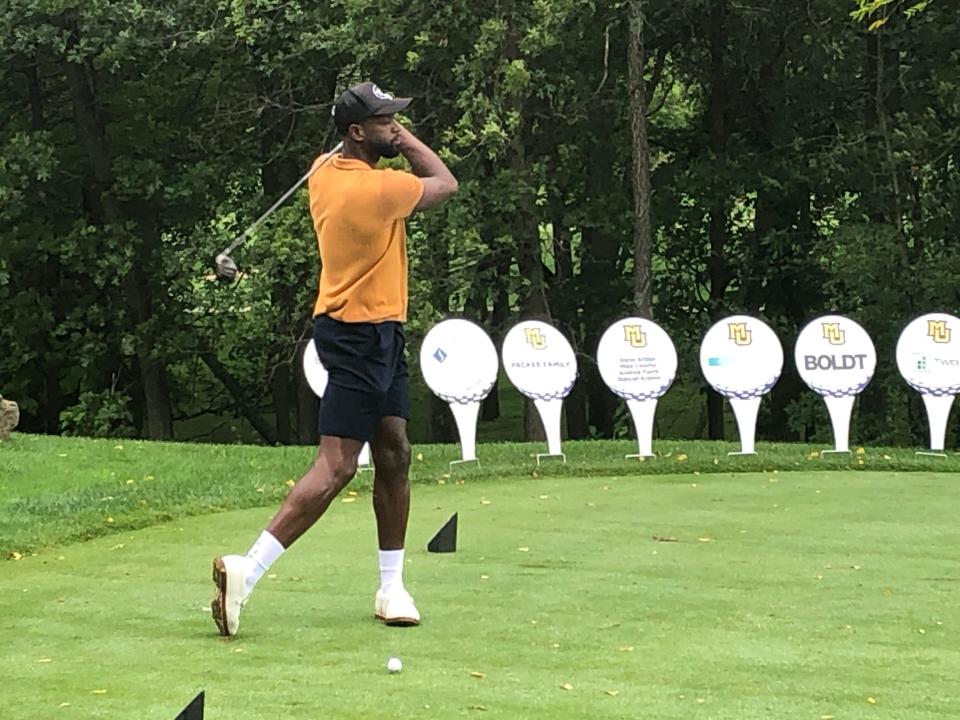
[{"x": 394, "y": 665}]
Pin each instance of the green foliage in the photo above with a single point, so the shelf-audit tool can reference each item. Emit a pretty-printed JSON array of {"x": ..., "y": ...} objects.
[
  {"x": 793, "y": 174},
  {"x": 99, "y": 415}
]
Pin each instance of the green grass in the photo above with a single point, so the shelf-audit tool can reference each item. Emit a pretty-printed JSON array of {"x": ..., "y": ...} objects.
[
  {"x": 721, "y": 596},
  {"x": 55, "y": 491}
]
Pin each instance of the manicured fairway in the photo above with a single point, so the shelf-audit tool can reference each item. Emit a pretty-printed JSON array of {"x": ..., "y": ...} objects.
[{"x": 752, "y": 595}]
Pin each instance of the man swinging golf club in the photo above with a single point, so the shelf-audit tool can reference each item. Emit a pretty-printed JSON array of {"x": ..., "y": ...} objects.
[{"x": 358, "y": 211}]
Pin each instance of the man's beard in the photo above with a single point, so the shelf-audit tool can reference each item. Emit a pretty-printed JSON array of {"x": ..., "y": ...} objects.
[{"x": 385, "y": 149}]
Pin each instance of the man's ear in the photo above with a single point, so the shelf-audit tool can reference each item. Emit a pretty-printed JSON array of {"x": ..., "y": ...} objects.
[{"x": 356, "y": 132}]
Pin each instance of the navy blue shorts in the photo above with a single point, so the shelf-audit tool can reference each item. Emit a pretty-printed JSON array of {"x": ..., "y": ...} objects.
[{"x": 369, "y": 378}]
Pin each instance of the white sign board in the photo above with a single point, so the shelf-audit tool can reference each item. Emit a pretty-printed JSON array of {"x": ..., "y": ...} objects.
[
  {"x": 541, "y": 364},
  {"x": 928, "y": 356},
  {"x": 317, "y": 378},
  {"x": 741, "y": 358},
  {"x": 638, "y": 362},
  {"x": 637, "y": 359},
  {"x": 459, "y": 361},
  {"x": 459, "y": 364},
  {"x": 836, "y": 358}
]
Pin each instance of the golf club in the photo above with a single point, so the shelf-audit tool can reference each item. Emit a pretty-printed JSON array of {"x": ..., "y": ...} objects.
[{"x": 225, "y": 266}]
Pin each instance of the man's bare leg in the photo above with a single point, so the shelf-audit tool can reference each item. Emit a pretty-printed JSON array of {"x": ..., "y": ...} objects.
[
  {"x": 236, "y": 575},
  {"x": 391, "y": 505}
]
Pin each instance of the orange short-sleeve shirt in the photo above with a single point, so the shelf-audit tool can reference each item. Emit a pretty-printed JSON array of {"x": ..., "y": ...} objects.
[{"x": 358, "y": 213}]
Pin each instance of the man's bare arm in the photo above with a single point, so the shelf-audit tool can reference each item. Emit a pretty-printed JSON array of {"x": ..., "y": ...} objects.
[{"x": 439, "y": 184}]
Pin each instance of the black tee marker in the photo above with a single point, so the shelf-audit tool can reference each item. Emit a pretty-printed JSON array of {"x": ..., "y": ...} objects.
[{"x": 445, "y": 541}]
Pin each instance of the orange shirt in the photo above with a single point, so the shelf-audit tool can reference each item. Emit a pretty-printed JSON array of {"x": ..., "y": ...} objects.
[{"x": 358, "y": 213}]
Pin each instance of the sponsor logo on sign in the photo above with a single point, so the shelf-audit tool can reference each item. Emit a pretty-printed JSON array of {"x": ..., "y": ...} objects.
[
  {"x": 635, "y": 335},
  {"x": 835, "y": 362},
  {"x": 833, "y": 334},
  {"x": 718, "y": 361},
  {"x": 440, "y": 355},
  {"x": 739, "y": 333},
  {"x": 938, "y": 330},
  {"x": 925, "y": 363},
  {"x": 535, "y": 338}
]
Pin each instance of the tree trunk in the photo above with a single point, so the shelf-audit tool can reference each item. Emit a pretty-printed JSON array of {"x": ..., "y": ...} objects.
[
  {"x": 642, "y": 227},
  {"x": 244, "y": 404},
  {"x": 81, "y": 81},
  {"x": 717, "y": 269}
]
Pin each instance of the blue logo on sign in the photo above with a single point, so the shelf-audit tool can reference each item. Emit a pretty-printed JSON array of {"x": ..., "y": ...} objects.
[
  {"x": 717, "y": 361},
  {"x": 440, "y": 355}
]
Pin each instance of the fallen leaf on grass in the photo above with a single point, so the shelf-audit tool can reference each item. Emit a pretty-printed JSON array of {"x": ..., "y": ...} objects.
[
  {"x": 705, "y": 539},
  {"x": 420, "y": 457},
  {"x": 861, "y": 451},
  {"x": 627, "y": 648},
  {"x": 98, "y": 692},
  {"x": 681, "y": 457},
  {"x": 45, "y": 660},
  {"x": 664, "y": 538},
  {"x": 14, "y": 555},
  {"x": 612, "y": 693},
  {"x": 290, "y": 483},
  {"x": 566, "y": 686},
  {"x": 479, "y": 675},
  {"x": 872, "y": 701},
  {"x": 478, "y": 707},
  {"x": 349, "y": 499},
  {"x": 523, "y": 549},
  {"x": 484, "y": 501}
]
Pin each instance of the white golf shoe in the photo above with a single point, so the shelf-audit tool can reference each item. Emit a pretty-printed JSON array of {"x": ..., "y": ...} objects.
[
  {"x": 230, "y": 579},
  {"x": 394, "y": 606}
]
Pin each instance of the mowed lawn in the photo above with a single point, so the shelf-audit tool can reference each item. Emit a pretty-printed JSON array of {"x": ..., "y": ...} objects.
[{"x": 829, "y": 594}]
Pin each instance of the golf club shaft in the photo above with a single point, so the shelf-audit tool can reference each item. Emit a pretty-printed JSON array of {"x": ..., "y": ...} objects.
[{"x": 246, "y": 233}]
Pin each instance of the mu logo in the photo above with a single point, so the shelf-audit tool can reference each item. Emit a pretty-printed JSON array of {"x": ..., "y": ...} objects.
[
  {"x": 634, "y": 335},
  {"x": 833, "y": 334},
  {"x": 938, "y": 330},
  {"x": 739, "y": 333},
  {"x": 535, "y": 338}
]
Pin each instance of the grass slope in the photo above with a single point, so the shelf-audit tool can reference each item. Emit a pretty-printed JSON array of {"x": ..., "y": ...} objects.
[{"x": 60, "y": 490}]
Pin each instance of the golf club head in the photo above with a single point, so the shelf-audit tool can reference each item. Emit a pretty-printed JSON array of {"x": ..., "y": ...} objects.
[{"x": 226, "y": 268}]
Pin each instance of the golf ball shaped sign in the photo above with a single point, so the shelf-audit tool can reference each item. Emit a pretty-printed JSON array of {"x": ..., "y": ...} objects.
[
  {"x": 741, "y": 357},
  {"x": 928, "y": 354},
  {"x": 637, "y": 359},
  {"x": 835, "y": 356},
  {"x": 316, "y": 374},
  {"x": 459, "y": 361},
  {"x": 539, "y": 360}
]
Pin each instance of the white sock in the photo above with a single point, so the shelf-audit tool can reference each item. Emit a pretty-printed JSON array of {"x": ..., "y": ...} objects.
[
  {"x": 264, "y": 553},
  {"x": 391, "y": 568}
]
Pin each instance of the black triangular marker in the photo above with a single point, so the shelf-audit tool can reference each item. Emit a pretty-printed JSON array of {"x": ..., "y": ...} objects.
[
  {"x": 193, "y": 711},
  {"x": 446, "y": 539}
]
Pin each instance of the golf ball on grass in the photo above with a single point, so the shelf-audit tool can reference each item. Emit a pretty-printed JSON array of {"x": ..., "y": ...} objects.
[{"x": 394, "y": 665}]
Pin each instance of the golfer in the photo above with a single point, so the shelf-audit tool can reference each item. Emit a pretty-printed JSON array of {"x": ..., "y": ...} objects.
[{"x": 358, "y": 211}]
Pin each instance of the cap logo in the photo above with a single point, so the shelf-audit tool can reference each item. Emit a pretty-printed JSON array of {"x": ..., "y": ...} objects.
[{"x": 380, "y": 93}]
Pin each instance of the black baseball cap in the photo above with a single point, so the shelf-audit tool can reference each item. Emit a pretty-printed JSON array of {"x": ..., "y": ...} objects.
[{"x": 363, "y": 101}]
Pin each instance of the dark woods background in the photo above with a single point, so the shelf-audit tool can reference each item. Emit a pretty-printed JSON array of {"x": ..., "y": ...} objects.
[{"x": 686, "y": 159}]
